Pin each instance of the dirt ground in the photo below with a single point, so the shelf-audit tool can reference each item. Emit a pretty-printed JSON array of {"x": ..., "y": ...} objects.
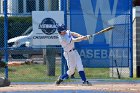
[{"x": 109, "y": 87}]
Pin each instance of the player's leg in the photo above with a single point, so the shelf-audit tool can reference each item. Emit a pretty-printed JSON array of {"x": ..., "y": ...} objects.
[
  {"x": 72, "y": 76},
  {"x": 62, "y": 77},
  {"x": 71, "y": 67},
  {"x": 71, "y": 63},
  {"x": 80, "y": 69}
]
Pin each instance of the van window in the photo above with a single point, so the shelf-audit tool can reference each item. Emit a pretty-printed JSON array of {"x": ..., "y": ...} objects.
[{"x": 28, "y": 31}]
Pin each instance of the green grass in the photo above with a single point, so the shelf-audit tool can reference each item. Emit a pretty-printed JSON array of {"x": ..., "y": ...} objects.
[
  {"x": 30, "y": 73},
  {"x": 38, "y": 73},
  {"x": 93, "y": 73}
]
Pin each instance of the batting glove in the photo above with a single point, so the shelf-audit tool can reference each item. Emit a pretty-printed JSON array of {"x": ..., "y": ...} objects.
[{"x": 88, "y": 36}]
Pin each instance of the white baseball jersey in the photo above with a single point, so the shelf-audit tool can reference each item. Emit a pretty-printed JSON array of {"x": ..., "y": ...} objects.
[
  {"x": 66, "y": 41},
  {"x": 71, "y": 55}
]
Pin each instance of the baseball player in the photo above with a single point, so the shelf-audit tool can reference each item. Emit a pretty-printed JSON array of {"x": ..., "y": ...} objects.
[{"x": 67, "y": 39}]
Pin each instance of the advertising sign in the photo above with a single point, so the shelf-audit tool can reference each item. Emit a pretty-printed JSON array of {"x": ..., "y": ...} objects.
[{"x": 44, "y": 27}]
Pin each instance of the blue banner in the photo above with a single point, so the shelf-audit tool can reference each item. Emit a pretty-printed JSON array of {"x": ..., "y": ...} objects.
[
  {"x": 91, "y": 16},
  {"x": 94, "y": 55}
]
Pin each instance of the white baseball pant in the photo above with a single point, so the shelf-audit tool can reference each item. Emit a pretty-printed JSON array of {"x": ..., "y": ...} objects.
[{"x": 73, "y": 61}]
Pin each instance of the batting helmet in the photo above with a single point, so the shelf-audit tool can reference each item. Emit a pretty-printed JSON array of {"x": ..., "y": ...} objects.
[{"x": 61, "y": 28}]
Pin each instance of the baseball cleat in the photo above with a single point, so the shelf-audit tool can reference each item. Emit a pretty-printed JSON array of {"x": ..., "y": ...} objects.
[
  {"x": 86, "y": 83},
  {"x": 58, "y": 81}
]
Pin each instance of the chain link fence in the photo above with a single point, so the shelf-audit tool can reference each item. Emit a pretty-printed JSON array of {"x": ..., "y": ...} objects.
[
  {"x": 112, "y": 49},
  {"x": 27, "y": 64}
]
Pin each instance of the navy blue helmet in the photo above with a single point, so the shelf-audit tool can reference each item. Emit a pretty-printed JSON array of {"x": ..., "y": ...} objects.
[{"x": 61, "y": 28}]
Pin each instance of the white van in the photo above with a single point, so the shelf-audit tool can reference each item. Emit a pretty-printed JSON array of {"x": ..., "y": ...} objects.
[{"x": 25, "y": 40}]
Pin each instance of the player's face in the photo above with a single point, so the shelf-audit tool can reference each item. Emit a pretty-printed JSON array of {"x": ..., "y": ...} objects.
[{"x": 63, "y": 32}]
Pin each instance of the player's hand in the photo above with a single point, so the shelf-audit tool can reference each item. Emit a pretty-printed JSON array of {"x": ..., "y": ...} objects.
[{"x": 88, "y": 37}]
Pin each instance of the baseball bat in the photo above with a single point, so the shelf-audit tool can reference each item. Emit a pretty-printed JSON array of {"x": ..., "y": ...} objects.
[
  {"x": 102, "y": 31},
  {"x": 117, "y": 70}
]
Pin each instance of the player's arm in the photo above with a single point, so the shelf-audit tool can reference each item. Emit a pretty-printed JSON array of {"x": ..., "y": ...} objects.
[
  {"x": 76, "y": 34},
  {"x": 78, "y": 39}
]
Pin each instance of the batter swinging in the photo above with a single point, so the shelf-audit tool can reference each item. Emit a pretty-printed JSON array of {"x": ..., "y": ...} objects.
[{"x": 66, "y": 38}]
